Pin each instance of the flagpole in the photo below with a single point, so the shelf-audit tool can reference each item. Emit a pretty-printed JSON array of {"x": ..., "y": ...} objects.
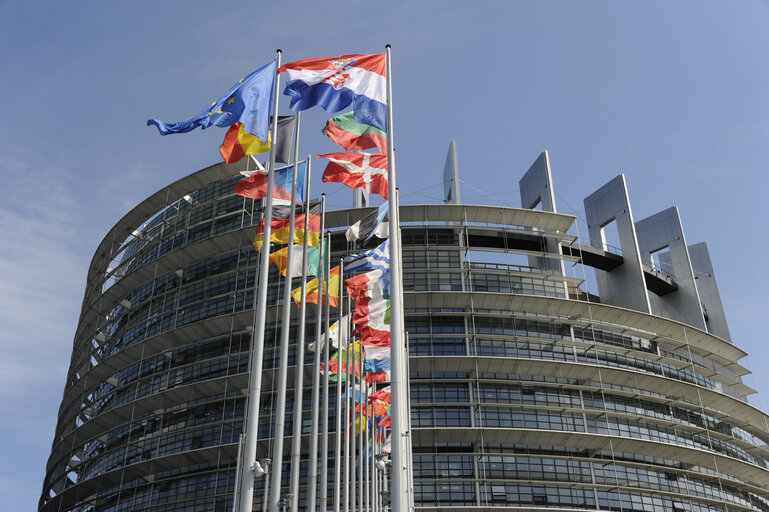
[
  {"x": 401, "y": 457},
  {"x": 347, "y": 422},
  {"x": 326, "y": 381},
  {"x": 338, "y": 432},
  {"x": 249, "y": 469},
  {"x": 285, "y": 327},
  {"x": 313, "y": 466},
  {"x": 362, "y": 434},
  {"x": 296, "y": 438}
]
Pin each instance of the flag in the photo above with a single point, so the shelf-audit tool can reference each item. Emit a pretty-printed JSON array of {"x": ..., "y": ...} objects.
[
  {"x": 279, "y": 259},
  {"x": 371, "y": 292},
  {"x": 338, "y": 362},
  {"x": 377, "y": 359},
  {"x": 335, "y": 332},
  {"x": 335, "y": 83},
  {"x": 378, "y": 376},
  {"x": 255, "y": 187},
  {"x": 375, "y": 223},
  {"x": 281, "y": 222},
  {"x": 248, "y": 102},
  {"x": 349, "y": 134},
  {"x": 386, "y": 421},
  {"x": 237, "y": 143},
  {"x": 383, "y": 394},
  {"x": 312, "y": 290},
  {"x": 380, "y": 407},
  {"x": 376, "y": 258},
  {"x": 358, "y": 170}
]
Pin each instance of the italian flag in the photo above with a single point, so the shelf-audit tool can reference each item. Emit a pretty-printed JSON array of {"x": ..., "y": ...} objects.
[
  {"x": 349, "y": 134},
  {"x": 358, "y": 170},
  {"x": 371, "y": 293}
]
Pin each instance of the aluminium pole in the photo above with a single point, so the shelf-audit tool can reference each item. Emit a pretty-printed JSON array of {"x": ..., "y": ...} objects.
[
  {"x": 347, "y": 421},
  {"x": 338, "y": 432},
  {"x": 326, "y": 381},
  {"x": 296, "y": 438},
  {"x": 247, "y": 472},
  {"x": 401, "y": 457},
  {"x": 285, "y": 327},
  {"x": 237, "y": 474},
  {"x": 314, "y": 407}
]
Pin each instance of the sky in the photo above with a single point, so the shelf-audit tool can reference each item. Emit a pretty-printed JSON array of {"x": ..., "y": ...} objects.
[{"x": 672, "y": 94}]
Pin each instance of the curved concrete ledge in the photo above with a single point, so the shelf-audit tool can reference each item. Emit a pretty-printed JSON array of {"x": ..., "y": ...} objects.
[
  {"x": 721, "y": 407},
  {"x": 759, "y": 477}
]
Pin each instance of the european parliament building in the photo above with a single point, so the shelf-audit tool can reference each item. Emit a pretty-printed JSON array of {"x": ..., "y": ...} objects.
[{"x": 527, "y": 392}]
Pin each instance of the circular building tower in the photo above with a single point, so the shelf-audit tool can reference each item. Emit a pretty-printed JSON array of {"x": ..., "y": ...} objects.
[{"x": 526, "y": 392}]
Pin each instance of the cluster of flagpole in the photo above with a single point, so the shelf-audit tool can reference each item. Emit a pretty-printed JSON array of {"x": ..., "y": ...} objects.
[{"x": 365, "y": 479}]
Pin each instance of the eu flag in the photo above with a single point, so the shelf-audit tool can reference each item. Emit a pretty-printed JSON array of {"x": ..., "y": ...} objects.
[{"x": 248, "y": 102}]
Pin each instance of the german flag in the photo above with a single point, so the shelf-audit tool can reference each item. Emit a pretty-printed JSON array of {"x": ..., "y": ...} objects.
[{"x": 281, "y": 225}]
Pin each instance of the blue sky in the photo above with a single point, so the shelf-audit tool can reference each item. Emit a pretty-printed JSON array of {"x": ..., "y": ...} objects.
[{"x": 673, "y": 94}]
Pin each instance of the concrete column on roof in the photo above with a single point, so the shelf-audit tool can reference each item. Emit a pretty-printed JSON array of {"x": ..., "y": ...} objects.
[
  {"x": 451, "y": 176},
  {"x": 536, "y": 188},
  {"x": 623, "y": 286},
  {"x": 661, "y": 231},
  {"x": 715, "y": 317},
  {"x": 360, "y": 198}
]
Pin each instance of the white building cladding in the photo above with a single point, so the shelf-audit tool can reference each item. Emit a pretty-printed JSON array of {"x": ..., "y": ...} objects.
[{"x": 526, "y": 392}]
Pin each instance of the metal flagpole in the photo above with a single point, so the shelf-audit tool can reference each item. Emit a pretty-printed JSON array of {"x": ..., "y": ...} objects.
[
  {"x": 326, "y": 381},
  {"x": 237, "y": 473},
  {"x": 347, "y": 423},
  {"x": 402, "y": 488},
  {"x": 401, "y": 457},
  {"x": 296, "y": 438},
  {"x": 361, "y": 434},
  {"x": 248, "y": 470},
  {"x": 285, "y": 327},
  {"x": 338, "y": 432},
  {"x": 313, "y": 466}
]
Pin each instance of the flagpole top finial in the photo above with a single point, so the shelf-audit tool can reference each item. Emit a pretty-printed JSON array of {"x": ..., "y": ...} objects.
[
  {"x": 279, "y": 50},
  {"x": 388, "y": 46}
]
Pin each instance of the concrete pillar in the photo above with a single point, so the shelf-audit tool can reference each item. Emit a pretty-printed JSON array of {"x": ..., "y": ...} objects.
[
  {"x": 715, "y": 318},
  {"x": 623, "y": 286},
  {"x": 536, "y": 188},
  {"x": 664, "y": 230},
  {"x": 451, "y": 176}
]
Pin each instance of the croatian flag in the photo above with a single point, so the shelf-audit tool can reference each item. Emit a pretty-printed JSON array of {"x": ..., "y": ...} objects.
[{"x": 335, "y": 83}]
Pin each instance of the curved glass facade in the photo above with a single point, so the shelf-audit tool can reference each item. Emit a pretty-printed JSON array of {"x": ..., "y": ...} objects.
[{"x": 523, "y": 395}]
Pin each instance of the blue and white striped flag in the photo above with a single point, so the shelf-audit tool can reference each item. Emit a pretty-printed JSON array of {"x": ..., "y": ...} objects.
[{"x": 377, "y": 258}]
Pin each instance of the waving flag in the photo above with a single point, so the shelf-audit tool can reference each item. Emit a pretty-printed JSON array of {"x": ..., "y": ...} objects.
[
  {"x": 313, "y": 290},
  {"x": 371, "y": 292},
  {"x": 350, "y": 135},
  {"x": 376, "y": 258},
  {"x": 335, "y": 83},
  {"x": 335, "y": 332},
  {"x": 375, "y": 223},
  {"x": 248, "y": 102},
  {"x": 237, "y": 143},
  {"x": 376, "y": 363},
  {"x": 281, "y": 223},
  {"x": 358, "y": 170},
  {"x": 280, "y": 259},
  {"x": 255, "y": 186}
]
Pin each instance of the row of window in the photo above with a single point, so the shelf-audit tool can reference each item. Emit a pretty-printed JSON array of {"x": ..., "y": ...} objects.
[{"x": 496, "y": 417}]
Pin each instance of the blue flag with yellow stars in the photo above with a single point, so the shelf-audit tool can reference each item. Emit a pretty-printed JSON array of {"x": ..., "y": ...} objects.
[{"x": 248, "y": 102}]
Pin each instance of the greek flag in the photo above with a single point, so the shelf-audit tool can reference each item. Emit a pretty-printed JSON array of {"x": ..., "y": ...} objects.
[{"x": 377, "y": 258}]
